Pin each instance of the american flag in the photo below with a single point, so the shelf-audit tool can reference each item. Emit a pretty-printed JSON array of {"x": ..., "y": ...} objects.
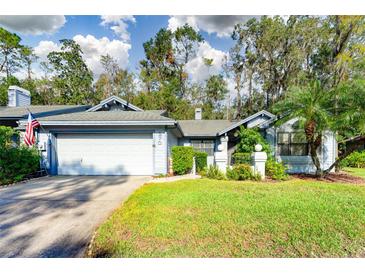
[{"x": 29, "y": 137}]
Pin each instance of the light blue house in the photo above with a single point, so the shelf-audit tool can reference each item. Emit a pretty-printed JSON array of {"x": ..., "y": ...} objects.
[{"x": 118, "y": 138}]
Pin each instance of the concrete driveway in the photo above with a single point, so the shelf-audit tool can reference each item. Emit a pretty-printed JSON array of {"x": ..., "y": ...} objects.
[{"x": 56, "y": 216}]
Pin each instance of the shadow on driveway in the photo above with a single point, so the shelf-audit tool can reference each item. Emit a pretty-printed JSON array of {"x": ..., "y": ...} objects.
[{"x": 56, "y": 216}]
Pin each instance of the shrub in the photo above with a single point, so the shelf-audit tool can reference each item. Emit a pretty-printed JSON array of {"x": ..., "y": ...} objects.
[
  {"x": 241, "y": 158},
  {"x": 213, "y": 172},
  {"x": 182, "y": 159},
  {"x": 275, "y": 170},
  {"x": 19, "y": 163},
  {"x": 16, "y": 163},
  {"x": 248, "y": 139},
  {"x": 355, "y": 159},
  {"x": 242, "y": 172},
  {"x": 200, "y": 160}
]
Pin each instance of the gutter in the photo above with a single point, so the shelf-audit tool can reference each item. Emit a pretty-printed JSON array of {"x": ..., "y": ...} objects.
[{"x": 103, "y": 123}]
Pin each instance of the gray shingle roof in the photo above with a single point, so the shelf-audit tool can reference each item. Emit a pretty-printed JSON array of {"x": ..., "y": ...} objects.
[
  {"x": 206, "y": 128},
  {"x": 108, "y": 116},
  {"x": 19, "y": 112}
]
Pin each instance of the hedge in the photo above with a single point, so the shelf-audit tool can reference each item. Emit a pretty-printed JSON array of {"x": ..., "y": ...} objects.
[
  {"x": 16, "y": 162},
  {"x": 200, "y": 160},
  {"x": 355, "y": 159},
  {"x": 241, "y": 158},
  {"x": 182, "y": 159}
]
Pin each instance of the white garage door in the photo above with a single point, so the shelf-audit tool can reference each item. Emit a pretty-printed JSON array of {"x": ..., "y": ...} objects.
[{"x": 105, "y": 154}]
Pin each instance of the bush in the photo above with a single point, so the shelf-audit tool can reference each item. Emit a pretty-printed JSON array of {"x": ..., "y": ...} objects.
[
  {"x": 213, "y": 172},
  {"x": 16, "y": 163},
  {"x": 248, "y": 139},
  {"x": 200, "y": 160},
  {"x": 182, "y": 159},
  {"x": 241, "y": 158},
  {"x": 241, "y": 172},
  {"x": 355, "y": 159},
  {"x": 275, "y": 170}
]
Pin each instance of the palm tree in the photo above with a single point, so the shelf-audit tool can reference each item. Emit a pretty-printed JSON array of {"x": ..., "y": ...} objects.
[{"x": 310, "y": 106}]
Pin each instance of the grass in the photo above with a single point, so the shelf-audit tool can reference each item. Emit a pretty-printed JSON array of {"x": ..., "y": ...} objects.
[
  {"x": 209, "y": 218},
  {"x": 356, "y": 171}
]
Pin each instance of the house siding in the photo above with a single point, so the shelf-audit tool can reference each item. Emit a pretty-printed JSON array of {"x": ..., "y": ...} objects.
[
  {"x": 160, "y": 151},
  {"x": 304, "y": 164}
]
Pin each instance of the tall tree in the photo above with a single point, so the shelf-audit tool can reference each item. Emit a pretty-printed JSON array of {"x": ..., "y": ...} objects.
[
  {"x": 185, "y": 43},
  {"x": 10, "y": 52},
  {"x": 114, "y": 80},
  {"x": 28, "y": 58},
  {"x": 215, "y": 91},
  {"x": 310, "y": 106},
  {"x": 72, "y": 79}
]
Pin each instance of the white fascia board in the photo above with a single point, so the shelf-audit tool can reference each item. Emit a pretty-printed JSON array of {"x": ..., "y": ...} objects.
[
  {"x": 239, "y": 123},
  {"x": 105, "y": 123},
  {"x": 112, "y": 98}
]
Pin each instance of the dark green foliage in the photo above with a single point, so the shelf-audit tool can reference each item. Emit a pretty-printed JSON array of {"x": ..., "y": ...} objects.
[
  {"x": 200, "y": 160},
  {"x": 182, "y": 159},
  {"x": 248, "y": 139},
  {"x": 4, "y": 85},
  {"x": 275, "y": 170},
  {"x": 213, "y": 172},
  {"x": 73, "y": 79},
  {"x": 15, "y": 162},
  {"x": 241, "y": 158},
  {"x": 355, "y": 159},
  {"x": 241, "y": 172}
]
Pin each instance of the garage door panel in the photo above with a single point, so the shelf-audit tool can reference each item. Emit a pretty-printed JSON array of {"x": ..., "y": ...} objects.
[{"x": 101, "y": 154}]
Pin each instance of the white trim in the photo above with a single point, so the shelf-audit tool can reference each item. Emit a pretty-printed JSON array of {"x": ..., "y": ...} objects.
[
  {"x": 239, "y": 123},
  {"x": 114, "y": 98},
  {"x": 25, "y": 91},
  {"x": 103, "y": 123}
]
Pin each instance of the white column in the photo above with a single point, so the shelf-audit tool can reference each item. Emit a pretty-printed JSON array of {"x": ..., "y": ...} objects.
[
  {"x": 258, "y": 161},
  {"x": 221, "y": 156}
]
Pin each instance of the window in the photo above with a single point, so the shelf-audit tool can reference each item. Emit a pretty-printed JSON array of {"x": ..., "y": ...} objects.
[
  {"x": 204, "y": 146},
  {"x": 292, "y": 144}
]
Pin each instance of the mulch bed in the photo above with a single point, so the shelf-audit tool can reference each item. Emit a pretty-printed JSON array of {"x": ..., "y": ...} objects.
[{"x": 335, "y": 177}]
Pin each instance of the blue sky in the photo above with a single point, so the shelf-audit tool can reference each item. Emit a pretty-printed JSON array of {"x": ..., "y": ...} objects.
[{"x": 122, "y": 36}]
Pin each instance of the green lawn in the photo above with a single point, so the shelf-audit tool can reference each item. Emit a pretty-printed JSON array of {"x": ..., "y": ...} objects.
[
  {"x": 208, "y": 218},
  {"x": 356, "y": 171}
]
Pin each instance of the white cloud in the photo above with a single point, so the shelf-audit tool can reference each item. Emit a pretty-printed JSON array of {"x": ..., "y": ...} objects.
[
  {"x": 119, "y": 24},
  {"x": 45, "y": 47},
  {"x": 92, "y": 49},
  {"x": 33, "y": 24},
  {"x": 222, "y": 25},
  {"x": 196, "y": 68}
]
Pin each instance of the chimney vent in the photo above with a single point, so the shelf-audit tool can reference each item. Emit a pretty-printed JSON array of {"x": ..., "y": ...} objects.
[
  {"x": 18, "y": 97},
  {"x": 198, "y": 114}
]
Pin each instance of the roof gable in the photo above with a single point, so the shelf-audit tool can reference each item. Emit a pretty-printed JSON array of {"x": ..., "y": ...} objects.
[
  {"x": 263, "y": 113},
  {"x": 116, "y": 101}
]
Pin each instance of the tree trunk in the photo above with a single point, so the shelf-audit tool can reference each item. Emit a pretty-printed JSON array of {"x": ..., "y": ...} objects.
[
  {"x": 338, "y": 160},
  {"x": 314, "y": 144},
  {"x": 315, "y": 159},
  {"x": 249, "y": 103}
]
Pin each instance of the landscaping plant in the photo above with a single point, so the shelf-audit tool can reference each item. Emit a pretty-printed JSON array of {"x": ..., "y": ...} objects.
[
  {"x": 213, "y": 172},
  {"x": 200, "y": 160},
  {"x": 182, "y": 159},
  {"x": 241, "y": 172},
  {"x": 355, "y": 159},
  {"x": 275, "y": 170},
  {"x": 16, "y": 162}
]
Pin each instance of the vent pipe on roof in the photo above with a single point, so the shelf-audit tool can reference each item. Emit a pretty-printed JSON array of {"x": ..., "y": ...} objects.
[
  {"x": 198, "y": 114},
  {"x": 18, "y": 97}
]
